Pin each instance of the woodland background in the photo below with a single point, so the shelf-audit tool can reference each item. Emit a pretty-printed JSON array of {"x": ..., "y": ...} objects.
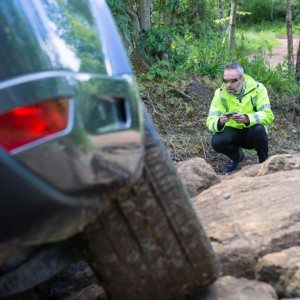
[{"x": 178, "y": 49}]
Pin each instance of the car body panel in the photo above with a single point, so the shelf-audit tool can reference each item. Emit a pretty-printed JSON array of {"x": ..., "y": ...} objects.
[
  {"x": 54, "y": 186},
  {"x": 103, "y": 141},
  {"x": 32, "y": 212}
]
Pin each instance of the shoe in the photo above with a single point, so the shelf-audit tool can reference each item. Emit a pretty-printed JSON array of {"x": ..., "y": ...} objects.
[{"x": 233, "y": 164}]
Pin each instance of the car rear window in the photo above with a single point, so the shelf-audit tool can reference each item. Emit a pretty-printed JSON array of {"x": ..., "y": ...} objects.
[
  {"x": 48, "y": 35},
  {"x": 75, "y": 26}
]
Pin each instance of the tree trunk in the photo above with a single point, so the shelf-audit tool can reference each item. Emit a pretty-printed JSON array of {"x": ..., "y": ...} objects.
[
  {"x": 272, "y": 10},
  {"x": 232, "y": 23},
  {"x": 289, "y": 31},
  {"x": 173, "y": 14},
  {"x": 135, "y": 24},
  {"x": 144, "y": 13},
  {"x": 221, "y": 13},
  {"x": 195, "y": 12},
  {"x": 298, "y": 64}
]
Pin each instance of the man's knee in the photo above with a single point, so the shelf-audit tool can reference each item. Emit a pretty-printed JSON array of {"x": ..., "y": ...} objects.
[
  {"x": 258, "y": 130},
  {"x": 217, "y": 142},
  {"x": 259, "y": 136}
]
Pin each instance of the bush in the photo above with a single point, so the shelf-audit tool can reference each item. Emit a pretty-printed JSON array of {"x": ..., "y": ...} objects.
[{"x": 262, "y": 10}]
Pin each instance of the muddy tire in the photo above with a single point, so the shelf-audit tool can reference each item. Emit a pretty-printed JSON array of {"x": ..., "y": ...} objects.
[{"x": 150, "y": 245}]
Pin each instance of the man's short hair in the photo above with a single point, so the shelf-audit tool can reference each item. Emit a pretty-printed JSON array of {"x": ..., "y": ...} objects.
[{"x": 235, "y": 66}]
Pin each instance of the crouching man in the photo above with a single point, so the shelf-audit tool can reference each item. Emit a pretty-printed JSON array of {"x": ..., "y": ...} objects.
[{"x": 239, "y": 116}]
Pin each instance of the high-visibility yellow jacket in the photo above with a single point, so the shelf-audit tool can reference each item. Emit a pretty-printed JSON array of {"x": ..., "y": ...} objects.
[{"x": 254, "y": 103}]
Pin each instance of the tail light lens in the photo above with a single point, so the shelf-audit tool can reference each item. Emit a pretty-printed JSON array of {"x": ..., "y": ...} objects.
[{"x": 26, "y": 124}]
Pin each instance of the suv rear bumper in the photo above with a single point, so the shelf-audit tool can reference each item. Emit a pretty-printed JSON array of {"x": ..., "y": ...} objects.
[{"x": 32, "y": 212}]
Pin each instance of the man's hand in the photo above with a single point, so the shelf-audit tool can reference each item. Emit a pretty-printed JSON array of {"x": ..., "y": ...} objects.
[
  {"x": 223, "y": 119},
  {"x": 240, "y": 118}
]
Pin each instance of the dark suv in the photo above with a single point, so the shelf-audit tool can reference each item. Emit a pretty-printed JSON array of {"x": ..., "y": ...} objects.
[{"x": 82, "y": 168}]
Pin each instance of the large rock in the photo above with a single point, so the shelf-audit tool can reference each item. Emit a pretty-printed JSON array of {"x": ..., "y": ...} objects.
[
  {"x": 231, "y": 288},
  {"x": 282, "y": 271},
  {"x": 197, "y": 175},
  {"x": 253, "y": 213},
  {"x": 276, "y": 163}
]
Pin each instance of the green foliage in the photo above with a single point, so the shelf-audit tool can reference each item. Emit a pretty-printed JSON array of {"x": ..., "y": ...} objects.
[
  {"x": 179, "y": 5},
  {"x": 262, "y": 10},
  {"x": 267, "y": 27},
  {"x": 208, "y": 55},
  {"x": 195, "y": 44},
  {"x": 296, "y": 12},
  {"x": 157, "y": 41},
  {"x": 224, "y": 21},
  {"x": 280, "y": 80},
  {"x": 159, "y": 69},
  {"x": 256, "y": 41}
]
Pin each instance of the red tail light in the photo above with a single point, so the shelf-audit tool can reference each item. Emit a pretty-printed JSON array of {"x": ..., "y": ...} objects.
[{"x": 23, "y": 125}]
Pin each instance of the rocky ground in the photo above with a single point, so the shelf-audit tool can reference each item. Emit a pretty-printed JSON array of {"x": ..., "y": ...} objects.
[
  {"x": 251, "y": 216},
  {"x": 252, "y": 219}
]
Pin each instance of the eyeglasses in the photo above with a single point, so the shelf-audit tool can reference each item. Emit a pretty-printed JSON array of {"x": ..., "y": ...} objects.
[{"x": 234, "y": 80}]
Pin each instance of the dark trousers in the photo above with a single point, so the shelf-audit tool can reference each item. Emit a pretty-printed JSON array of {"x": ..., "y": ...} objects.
[{"x": 230, "y": 140}]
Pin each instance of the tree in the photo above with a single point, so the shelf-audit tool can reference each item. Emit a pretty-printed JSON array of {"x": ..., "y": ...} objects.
[
  {"x": 221, "y": 13},
  {"x": 173, "y": 13},
  {"x": 289, "y": 31},
  {"x": 298, "y": 63},
  {"x": 135, "y": 22},
  {"x": 232, "y": 23},
  {"x": 133, "y": 17},
  {"x": 272, "y": 10},
  {"x": 144, "y": 13}
]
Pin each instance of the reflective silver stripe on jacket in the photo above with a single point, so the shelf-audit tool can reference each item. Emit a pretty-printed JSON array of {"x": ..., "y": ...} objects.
[
  {"x": 256, "y": 117},
  {"x": 215, "y": 126},
  {"x": 215, "y": 113},
  {"x": 265, "y": 106}
]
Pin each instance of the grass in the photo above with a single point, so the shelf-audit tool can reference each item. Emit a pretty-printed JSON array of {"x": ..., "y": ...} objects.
[
  {"x": 260, "y": 37},
  {"x": 278, "y": 28},
  {"x": 256, "y": 41}
]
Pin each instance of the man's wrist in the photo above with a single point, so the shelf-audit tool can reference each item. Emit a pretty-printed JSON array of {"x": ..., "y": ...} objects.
[
  {"x": 219, "y": 125},
  {"x": 247, "y": 123}
]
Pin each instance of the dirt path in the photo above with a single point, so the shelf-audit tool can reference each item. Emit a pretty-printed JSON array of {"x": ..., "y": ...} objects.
[{"x": 279, "y": 53}]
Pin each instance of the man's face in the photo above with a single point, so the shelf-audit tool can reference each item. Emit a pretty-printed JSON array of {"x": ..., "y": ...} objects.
[{"x": 233, "y": 81}]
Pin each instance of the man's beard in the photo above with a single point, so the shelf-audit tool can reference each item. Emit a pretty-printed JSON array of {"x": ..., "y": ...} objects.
[{"x": 232, "y": 91}]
